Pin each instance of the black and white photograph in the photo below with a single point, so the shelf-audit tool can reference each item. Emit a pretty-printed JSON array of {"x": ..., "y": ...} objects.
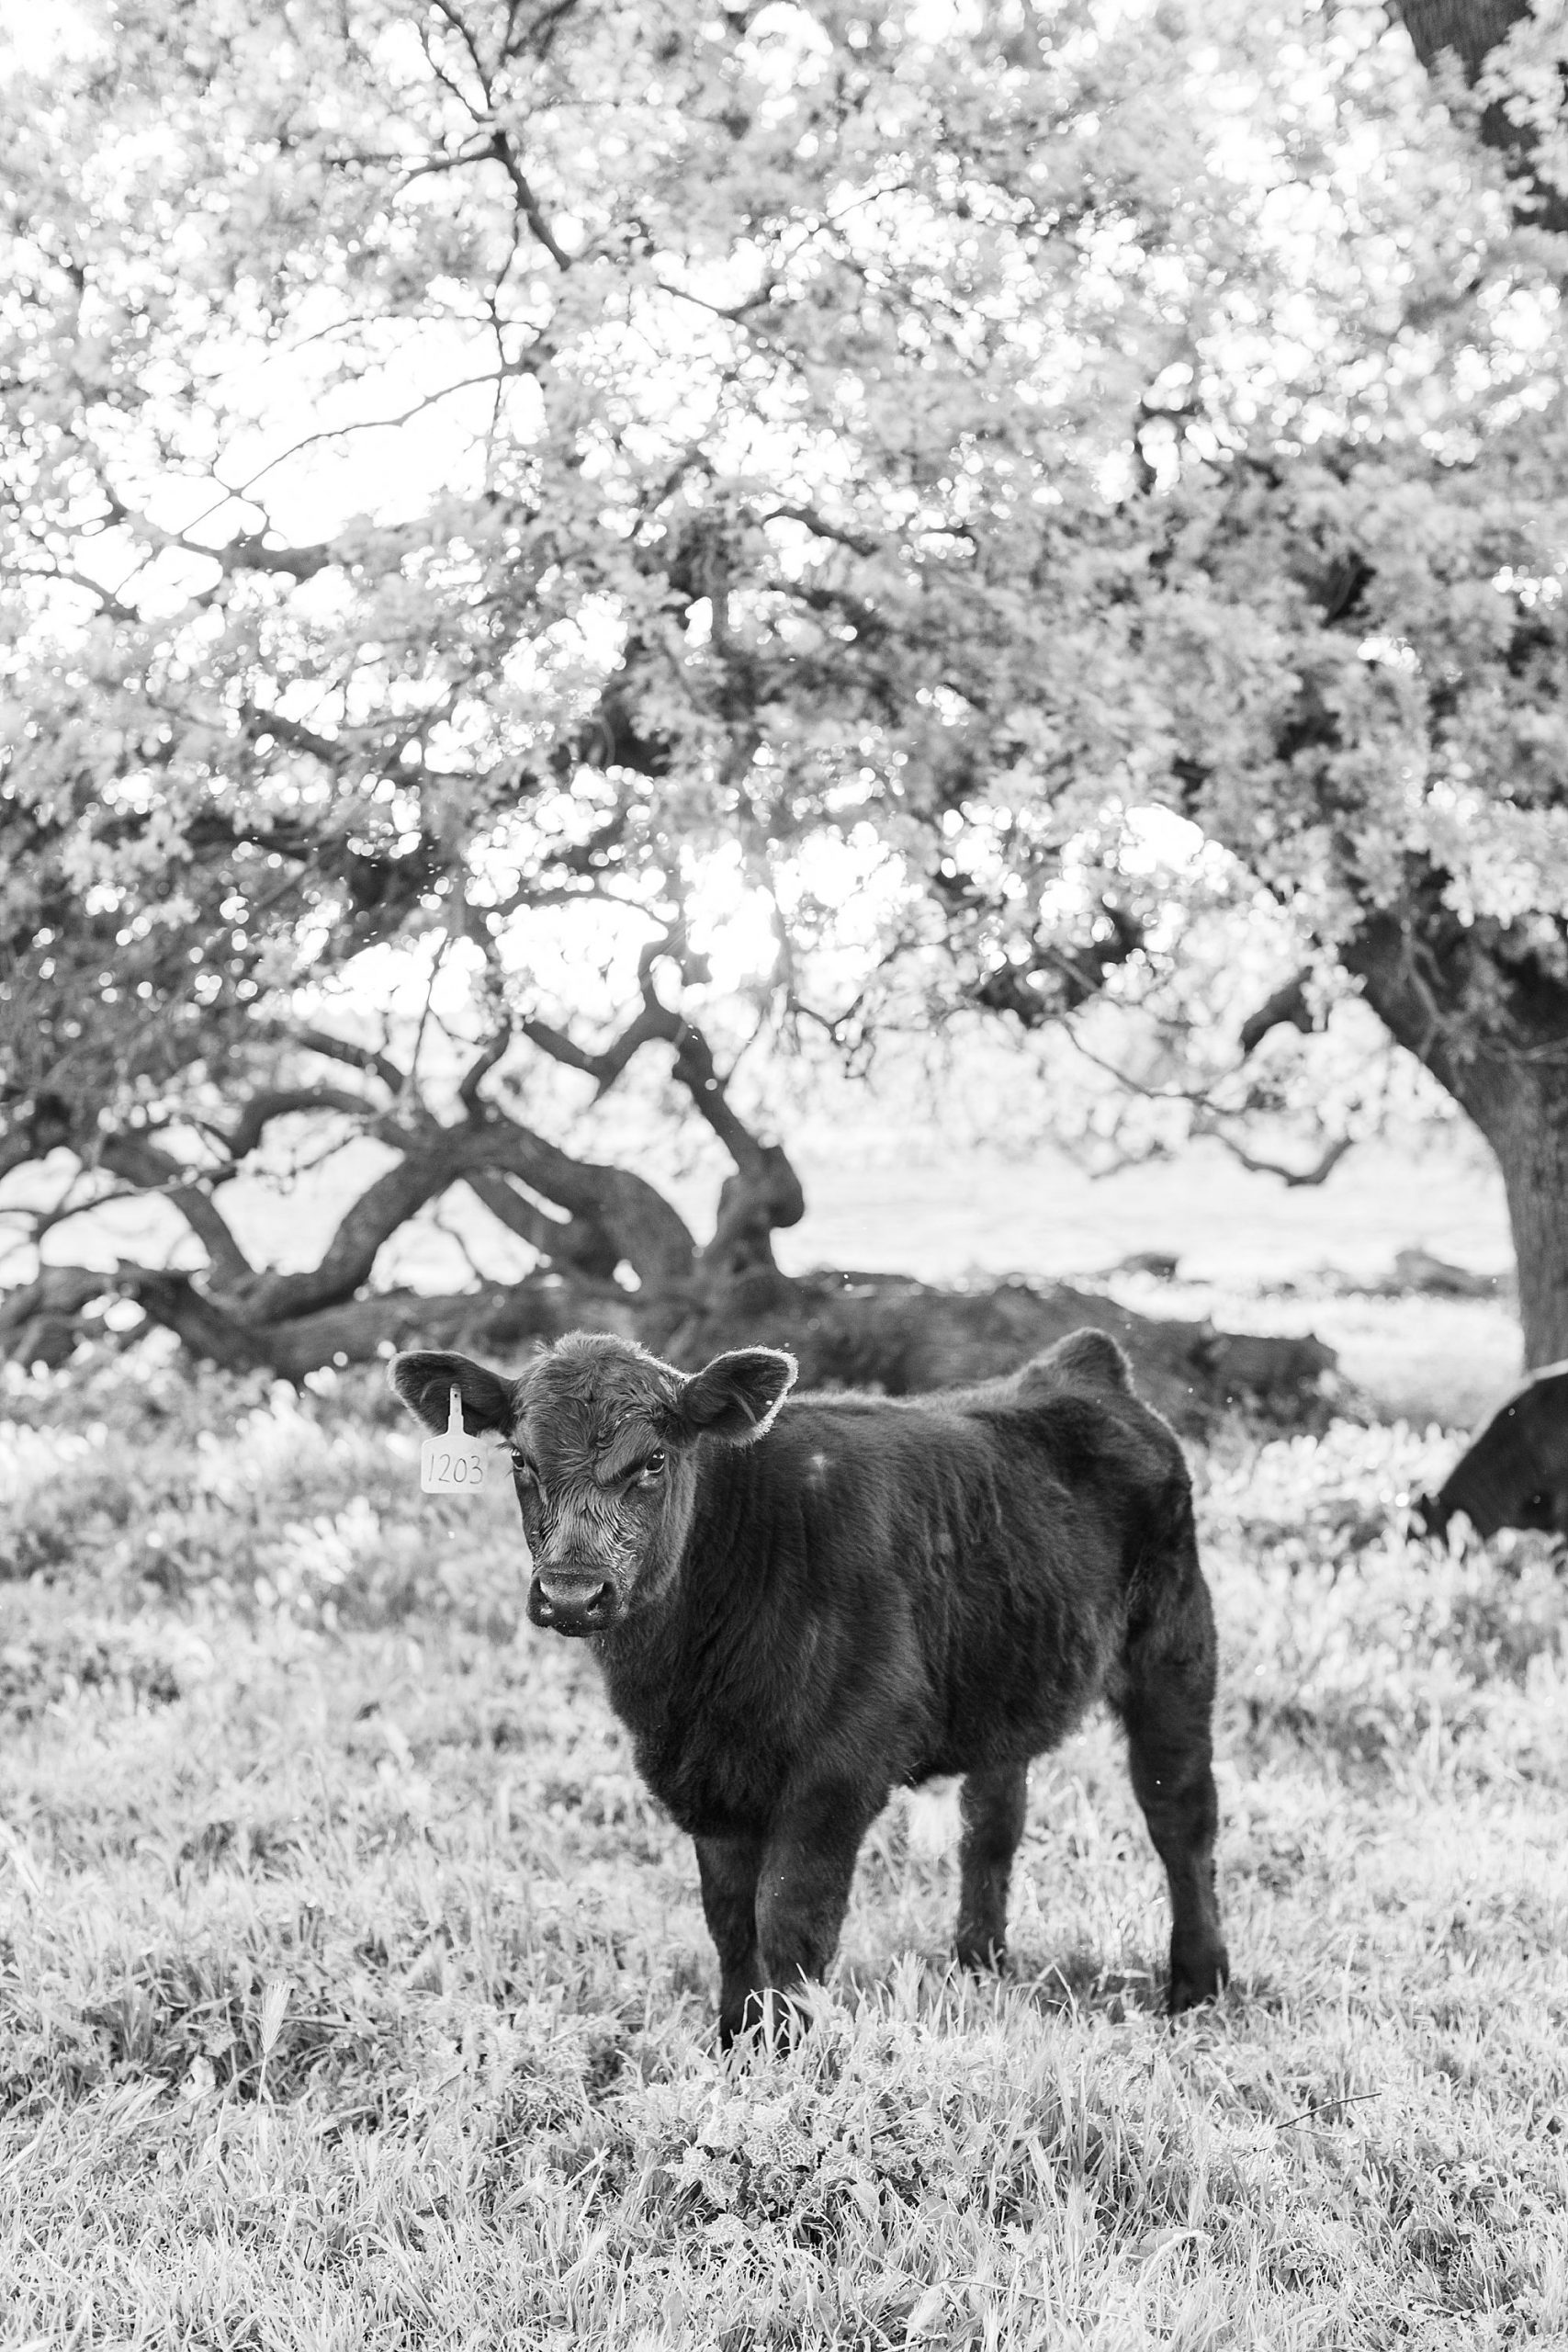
[{"x": 783, "y": 1175}]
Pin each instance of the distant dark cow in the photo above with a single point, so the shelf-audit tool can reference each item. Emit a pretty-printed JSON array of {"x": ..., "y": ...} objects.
[
  {"x": 1516, "y": 1474},
  {"x": 797, "y": 1610}
]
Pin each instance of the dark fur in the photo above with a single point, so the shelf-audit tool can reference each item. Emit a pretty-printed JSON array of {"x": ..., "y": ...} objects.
[
  {"x": 1516, "y": 1473},
  {"x": 795, "y": 1615}
]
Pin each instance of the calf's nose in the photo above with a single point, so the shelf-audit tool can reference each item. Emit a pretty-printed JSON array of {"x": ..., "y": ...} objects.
[{"x": 570, "y": 1603}]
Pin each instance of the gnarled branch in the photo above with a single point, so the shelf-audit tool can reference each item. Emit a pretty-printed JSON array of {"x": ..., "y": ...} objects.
[
  {"x": 579, "y": 1241},
  {"x": 765, "y": 1192},
  {"x": 636, "y": 1221},
  {"x": 282, "y": 1103},
  {"x": 361, "y": 1233}
]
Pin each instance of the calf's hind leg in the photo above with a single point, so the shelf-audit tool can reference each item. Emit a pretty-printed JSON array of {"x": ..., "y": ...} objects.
[
  {"x": 1167, "y": 1710},
  {"x": 992, "y": 1805}
]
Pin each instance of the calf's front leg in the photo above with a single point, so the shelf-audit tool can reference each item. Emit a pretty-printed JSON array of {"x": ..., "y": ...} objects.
[
  {"x": 802, "y": 1891},
  {"x": 727, "y": 1868}
]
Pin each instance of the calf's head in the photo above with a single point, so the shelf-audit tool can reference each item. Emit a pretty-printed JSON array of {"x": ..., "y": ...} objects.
[{"x": 604, "y": 1440}]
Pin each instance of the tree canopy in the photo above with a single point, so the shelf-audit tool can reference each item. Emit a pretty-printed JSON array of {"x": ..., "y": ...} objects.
[{"x": 477, "y": 472}]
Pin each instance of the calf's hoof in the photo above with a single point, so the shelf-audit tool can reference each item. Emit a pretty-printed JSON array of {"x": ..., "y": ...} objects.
[
  {"x": 776, "y": 2019},
  {"x": 982, "y": 1958},
  {"x": 1197, "y": 1976}
]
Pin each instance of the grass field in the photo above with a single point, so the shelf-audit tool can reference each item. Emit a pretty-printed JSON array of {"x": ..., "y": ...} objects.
[{"x": 353, "y": 1992}]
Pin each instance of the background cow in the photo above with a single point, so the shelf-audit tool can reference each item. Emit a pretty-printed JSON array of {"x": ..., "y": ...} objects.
[
  {"x": 799, "y": 1606},
  {"x": 1516, "y": 1473}
]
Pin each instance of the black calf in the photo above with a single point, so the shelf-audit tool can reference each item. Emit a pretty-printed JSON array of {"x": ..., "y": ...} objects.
[
  {"x": 800, "y": 1607},
  {"x": 1516, "y": 1473}
]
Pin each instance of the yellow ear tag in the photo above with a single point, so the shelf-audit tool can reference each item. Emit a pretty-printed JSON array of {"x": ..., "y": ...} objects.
[{"x": 452, "y": 1465}]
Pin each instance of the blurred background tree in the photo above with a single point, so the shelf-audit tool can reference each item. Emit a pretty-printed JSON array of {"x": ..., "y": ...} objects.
[{"x": 541, "y": 540}]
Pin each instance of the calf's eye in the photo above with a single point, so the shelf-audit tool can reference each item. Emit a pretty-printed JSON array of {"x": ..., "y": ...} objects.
[{"x": 651, "y": 1471}]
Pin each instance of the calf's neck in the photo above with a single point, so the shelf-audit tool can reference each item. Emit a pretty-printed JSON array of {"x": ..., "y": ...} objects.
[{"x": 799, "y": 1604}]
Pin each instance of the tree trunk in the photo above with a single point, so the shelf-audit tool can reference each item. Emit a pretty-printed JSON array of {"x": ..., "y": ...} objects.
[
  {"x": 753, "y": 1204},
  {"x": 1532, "y": 1151},
  {"x": 1472, "y": 29},
  {"x": 1491, "y": 1023}
]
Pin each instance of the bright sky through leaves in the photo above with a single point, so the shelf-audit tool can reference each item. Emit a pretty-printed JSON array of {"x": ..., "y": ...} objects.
[{"x": 528, "y": 477}]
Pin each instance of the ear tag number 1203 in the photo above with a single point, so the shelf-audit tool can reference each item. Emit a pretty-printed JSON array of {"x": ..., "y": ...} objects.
[{"x": 452, "y": 1465}]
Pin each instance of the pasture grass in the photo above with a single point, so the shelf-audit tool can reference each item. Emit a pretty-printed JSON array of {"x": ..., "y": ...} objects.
[{"x": 353, "y": 1992}]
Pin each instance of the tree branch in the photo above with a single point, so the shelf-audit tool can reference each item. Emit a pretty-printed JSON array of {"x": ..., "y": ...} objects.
[
  {"x": 638, "y": 1222},
  {"x": 344, "y": 1049},
  {"x": 500, "y": 147},
  {"x": 656, "y": 1023},
  {"x": 282, "y": 1103},
  {"x": 579, "y": 1241},
  {"x": 765, "y": 1192},
  {"x": 614, "y": 1214},
  {"x": 1296, "y": 1177},
  {"x": 819, "y": 526},
  {"x": 63, "y": 1291},
  {"x": 1288, "y": 1004},
  {"x": 468, "y": 1085},
  {"x": 247, "y": 551},
  {"x": 198, "y": 1322},
  {"x": 150, "y": 1171},
  {"x": 361, "y": 1233},
  {"x": 653, "y": 1023},
  {"x": 1074, "y": 975}
]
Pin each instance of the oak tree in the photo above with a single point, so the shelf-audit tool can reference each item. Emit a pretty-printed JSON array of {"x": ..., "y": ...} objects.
[{"x": 478, "y": 468}]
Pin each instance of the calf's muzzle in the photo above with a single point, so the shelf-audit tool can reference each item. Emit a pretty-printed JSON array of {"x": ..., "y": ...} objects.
[{"x": 572, "y": 1601}]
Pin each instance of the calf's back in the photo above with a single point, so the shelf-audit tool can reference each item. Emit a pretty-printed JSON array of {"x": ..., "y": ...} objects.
[{"x": 1516, "y": 1473}]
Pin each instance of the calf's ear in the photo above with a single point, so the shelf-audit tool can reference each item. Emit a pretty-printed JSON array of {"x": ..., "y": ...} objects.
[
  {"x": 736, "y": 1397},
  {"x": 424, "y": 1380}
]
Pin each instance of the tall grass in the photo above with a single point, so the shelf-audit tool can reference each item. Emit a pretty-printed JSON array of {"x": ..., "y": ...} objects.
[{"x": 353, "y": 1990}]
